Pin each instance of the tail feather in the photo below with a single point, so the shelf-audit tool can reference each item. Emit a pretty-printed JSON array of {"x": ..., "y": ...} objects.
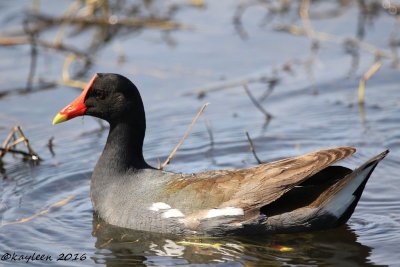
[
  {"x": 329, "y": 206},
  {"x": 342, "y": 197}
]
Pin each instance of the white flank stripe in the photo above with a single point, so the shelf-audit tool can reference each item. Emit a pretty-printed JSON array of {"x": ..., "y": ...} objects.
[
  {"x": 159, "y": 206},
  {"x": 228, "y": 211},
  {"x": 173, "y": 213}
]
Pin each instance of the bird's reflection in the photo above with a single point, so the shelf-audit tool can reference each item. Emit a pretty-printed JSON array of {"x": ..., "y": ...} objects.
[{"x": 124, "y": 247}]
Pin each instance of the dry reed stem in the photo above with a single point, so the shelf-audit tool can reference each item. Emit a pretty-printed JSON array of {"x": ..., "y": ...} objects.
[
  {"x": 58, "y": 204},
  {"x": 172, "y": 154},
  {"x": 370, "y": 72}
]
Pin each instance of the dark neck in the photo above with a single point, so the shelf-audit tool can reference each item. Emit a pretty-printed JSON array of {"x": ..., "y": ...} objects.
[{"x": 124, "y": 148}]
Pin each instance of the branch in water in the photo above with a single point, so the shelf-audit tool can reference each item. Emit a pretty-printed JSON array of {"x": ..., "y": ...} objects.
[
  {"x": 167, "y": 161},
  {"x": 253, "y": 150}
]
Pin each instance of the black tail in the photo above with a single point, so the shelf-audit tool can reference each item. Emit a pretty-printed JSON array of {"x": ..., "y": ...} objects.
[
  {"x": 325, "y": 200},
  {"x": 345, "y": 194}
]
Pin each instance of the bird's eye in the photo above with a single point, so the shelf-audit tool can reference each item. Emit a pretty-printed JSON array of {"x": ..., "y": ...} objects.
[{"x": 100, "y": 95}]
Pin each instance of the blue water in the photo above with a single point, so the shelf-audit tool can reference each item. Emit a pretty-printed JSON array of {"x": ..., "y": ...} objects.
[{"x": 313, "y": 106}]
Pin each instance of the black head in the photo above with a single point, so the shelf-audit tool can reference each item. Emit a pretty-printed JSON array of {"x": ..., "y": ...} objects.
[
  {"x": 108, "y": 96},
  {"x": 114, "y": 98}
]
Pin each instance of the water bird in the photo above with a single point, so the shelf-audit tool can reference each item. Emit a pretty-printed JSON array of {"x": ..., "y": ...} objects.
[{"x": 302, "y": 193}]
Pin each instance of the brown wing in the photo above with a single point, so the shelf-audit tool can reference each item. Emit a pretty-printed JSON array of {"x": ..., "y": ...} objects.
[
  {"x": 266, "y": 183},
  {"x": 249, "y": 188}
]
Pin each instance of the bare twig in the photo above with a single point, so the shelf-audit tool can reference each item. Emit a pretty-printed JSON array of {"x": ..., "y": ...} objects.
[
  {"x": 172, "y": 154},
  {"x": 271, "y": 86},
  {"x": 15, "y": 151},
  {"x": 32, "y": 68},
  {"x": 253, "y": 149},
  {"x": 262, "y": 77},
  {"x": 361, "y": 88},
  {"x": 209, "y": 152},
  {"x": 7, "y": 140},
  {"x": 210, "y": 133},
  {"x": 61, "y": 47},
  {"x": 26, "y": 142},
  {"x": 9, "y": 146},
  {"x": 22, "y": 90},
  {"x": 221, "y": 86},
  {"x": 267, "y": 115},
  {"x": 50, "y": 145},
  {"x": 354, "y": 51},
  {"x": 237, "y": 21},
  {"x": 2, "y": 170},
  {"x": 273, "y": 8}
]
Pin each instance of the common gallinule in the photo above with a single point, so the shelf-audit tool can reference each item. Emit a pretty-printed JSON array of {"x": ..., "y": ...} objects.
[{"x": 296, "y": 194}]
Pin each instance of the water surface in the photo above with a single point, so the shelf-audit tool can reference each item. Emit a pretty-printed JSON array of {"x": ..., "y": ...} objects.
[{"x": 313, "y": 106}]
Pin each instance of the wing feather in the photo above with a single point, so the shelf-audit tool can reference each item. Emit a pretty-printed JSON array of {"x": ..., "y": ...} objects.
[{"x": 249, "y": 188}]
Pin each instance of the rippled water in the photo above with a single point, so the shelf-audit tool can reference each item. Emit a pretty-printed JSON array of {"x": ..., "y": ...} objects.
[{"x": 51, "y": 201}]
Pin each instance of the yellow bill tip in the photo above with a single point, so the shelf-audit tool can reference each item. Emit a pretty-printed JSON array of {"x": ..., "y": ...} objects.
[{"x": 59, "y": 118}]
